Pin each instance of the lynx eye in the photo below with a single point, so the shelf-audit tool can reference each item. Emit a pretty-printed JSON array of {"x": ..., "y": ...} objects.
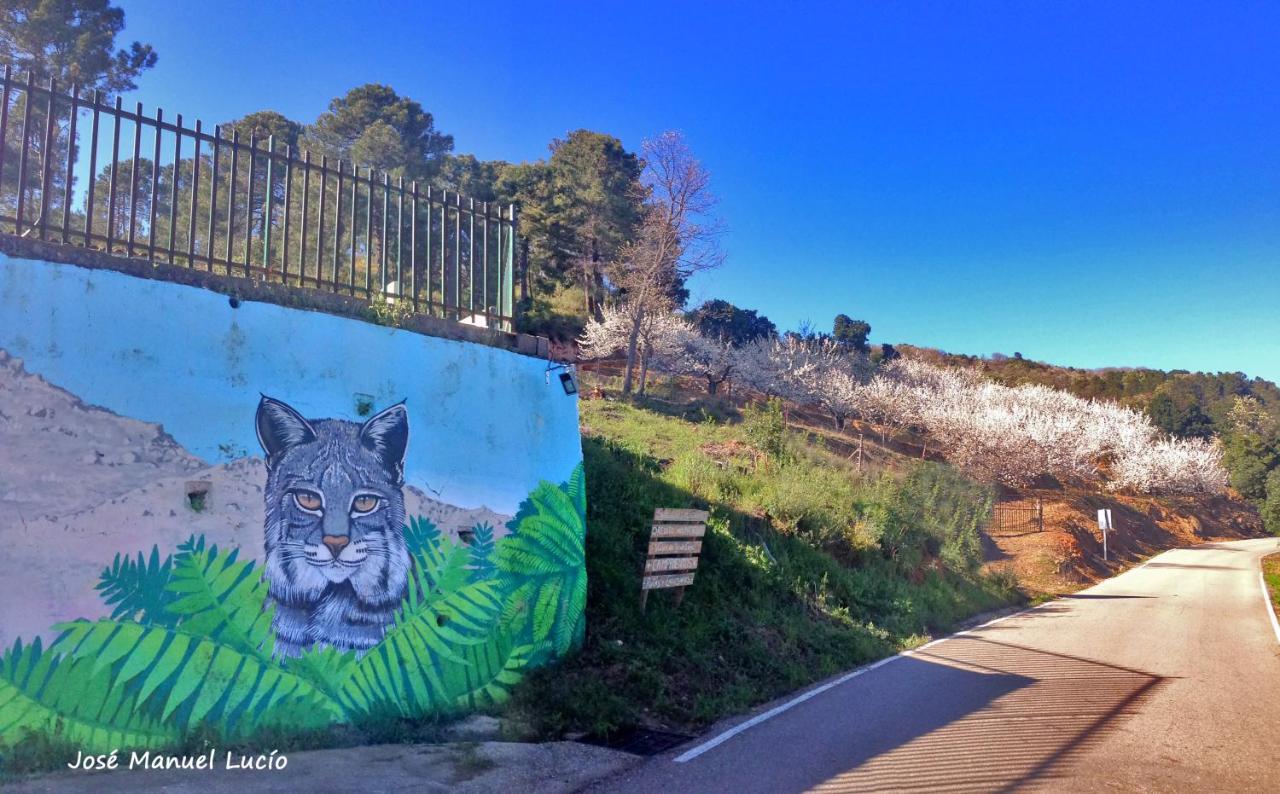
[
  {"x": 308, "y": 500},
  {"x": 364, "y": 503}
]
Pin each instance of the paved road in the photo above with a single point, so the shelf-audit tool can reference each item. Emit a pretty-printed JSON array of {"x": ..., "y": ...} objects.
[{"x": 1165, "y": 678}]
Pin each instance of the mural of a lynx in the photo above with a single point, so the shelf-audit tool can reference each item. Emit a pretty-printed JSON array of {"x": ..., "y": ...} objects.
[{"x": 336, "y": 559}]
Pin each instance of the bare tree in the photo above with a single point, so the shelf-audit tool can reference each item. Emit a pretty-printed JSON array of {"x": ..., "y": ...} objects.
[{"x": 678, "y": 237}]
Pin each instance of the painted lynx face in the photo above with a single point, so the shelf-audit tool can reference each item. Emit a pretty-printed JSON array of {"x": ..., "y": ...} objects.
[{"x": 334, "y": 505}]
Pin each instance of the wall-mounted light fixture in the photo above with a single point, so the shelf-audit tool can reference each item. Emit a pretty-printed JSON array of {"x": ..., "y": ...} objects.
[{"x": 568, "y": 379}]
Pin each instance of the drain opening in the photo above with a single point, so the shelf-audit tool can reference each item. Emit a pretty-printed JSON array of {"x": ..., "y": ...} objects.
[{"x": 638, "y": 741}]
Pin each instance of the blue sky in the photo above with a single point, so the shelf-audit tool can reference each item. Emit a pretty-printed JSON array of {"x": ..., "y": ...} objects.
[{"x": 1086, "y": 183}]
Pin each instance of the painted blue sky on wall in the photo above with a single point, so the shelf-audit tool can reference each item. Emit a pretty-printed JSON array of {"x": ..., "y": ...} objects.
[{"x": 486, "y": 426}]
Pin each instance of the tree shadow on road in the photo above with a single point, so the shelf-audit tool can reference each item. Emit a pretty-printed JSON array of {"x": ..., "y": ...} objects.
[{"x": 1061, "y": 706}]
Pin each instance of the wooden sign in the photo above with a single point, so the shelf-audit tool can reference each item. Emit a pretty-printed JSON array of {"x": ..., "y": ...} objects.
[{"x": 674, "y": 545}]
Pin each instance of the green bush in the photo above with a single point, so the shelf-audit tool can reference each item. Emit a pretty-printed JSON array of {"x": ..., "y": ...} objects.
[
  {"x": 1270, "y": 509},
  {"x": 765, "y": 427}
]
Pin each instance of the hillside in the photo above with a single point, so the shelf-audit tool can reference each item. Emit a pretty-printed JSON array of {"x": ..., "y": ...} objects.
[
  {"x": 810, "y": 565},
  {"x": 829, "y": 548}
]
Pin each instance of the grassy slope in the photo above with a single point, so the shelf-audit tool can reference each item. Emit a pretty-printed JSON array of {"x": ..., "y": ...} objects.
[
  {"x": 809, "y": 568},
  {"x": 1271, "y": 573}
]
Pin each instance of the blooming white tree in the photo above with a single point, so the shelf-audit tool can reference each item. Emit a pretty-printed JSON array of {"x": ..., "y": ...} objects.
[
  {"x": 1011, "y": 435},
  {"x": 658, "y": 337},
  {"x": 692, "y": 354},
  {"x": 830, "y": 376}
]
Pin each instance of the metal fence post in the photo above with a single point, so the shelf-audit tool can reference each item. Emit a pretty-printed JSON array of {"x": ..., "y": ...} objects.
[
  {"x": 508, "y": 280},
  {"x": 267, "y": 205}
]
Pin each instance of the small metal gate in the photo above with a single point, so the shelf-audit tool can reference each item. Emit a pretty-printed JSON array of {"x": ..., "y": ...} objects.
[{"x": 1014, "y": 518}]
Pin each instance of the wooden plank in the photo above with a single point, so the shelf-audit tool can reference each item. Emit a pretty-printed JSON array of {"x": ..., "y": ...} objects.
[
  {"x": 675, "y": 547},
  {"x": 679, "y": 514},
  {"x": 670, "y": 564},
  {"x": 670, "y": 580},
  {"x": 678, "y": 531}
]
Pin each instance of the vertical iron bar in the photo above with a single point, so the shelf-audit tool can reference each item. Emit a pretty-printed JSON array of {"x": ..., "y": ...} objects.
[
  {"x": 457, "y": 255},
  {"x": 231, "y": 195},
  {"x": 444, "y": 249},
  {"x": 386, "y": 212},
  {"x": 155, "y": 184},
  {"x": 324, "y": 185},
  {"x": 302, "y": 232},
  {"x": 355, "y": 200},
  {"x": 93, "y": 171},
  {"x": 471, "y": 256},
  {"x": 399, "y": 237},
  {"x": 173, "y": 191},
  {"x": 22, "y": 160},
  {"x": 211, "y": 233},
  {"x": 484, "y": 268},
  {"x": 267, "y": 204},
  {"x": 284, "y": 234},
  {"x": 426, "y": 249},
  {"x": 508, "y": 272},
  {"x": 497, "y": 295},
  {"x": 195, "y": 202},
  {"x": 46, "y": 162},
  {"x": 369, "y": 236},
  {"x": 115, "y": 167},
  {"x": 413, "y": 246},
  {"x": 4, "y": 120},
  {"x": 248, "y": 205},
  {"x": 133, "y": 176},
  {"x": 337, "y": 225},
  {"x": 71, "y": 158}
]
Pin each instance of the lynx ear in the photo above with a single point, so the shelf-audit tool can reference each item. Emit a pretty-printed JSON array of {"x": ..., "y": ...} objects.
[
  {"x": 280, "y": 428},
  {"x": 387, "y": 435}
]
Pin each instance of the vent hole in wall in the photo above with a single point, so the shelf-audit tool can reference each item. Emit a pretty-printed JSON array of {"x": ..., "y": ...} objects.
[{"x": 198, "y": 495}]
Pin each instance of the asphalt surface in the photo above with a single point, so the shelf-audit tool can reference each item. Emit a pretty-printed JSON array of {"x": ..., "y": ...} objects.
[{"x": 1165, "y": 678}]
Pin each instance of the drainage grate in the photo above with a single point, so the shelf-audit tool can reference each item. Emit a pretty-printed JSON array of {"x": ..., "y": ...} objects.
[{"x": 639, "y": 741}]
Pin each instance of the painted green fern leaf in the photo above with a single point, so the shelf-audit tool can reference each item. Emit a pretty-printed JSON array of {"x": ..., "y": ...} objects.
[
  {"x": 136, "y": 589},
  {"x": 482, "y": 548},
  {"x": 221, "y": 598},
  {"x": 419, "y": 667},
  {"x": 43, "y": 691},
  {"x": 187, "y": 679},
  {"x": 544, "y": 564}
]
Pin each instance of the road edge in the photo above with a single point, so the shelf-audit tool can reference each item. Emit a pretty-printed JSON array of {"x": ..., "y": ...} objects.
[
  {"x": 831, "y": 683},
  {"x": 814, "y": 690},
  {"x": 1266, "y": 594}
]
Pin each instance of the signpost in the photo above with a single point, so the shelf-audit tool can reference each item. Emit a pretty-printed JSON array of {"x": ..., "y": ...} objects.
[
  {"x": 1104, "y": 524},
  {"x": 675, "y": 542}
]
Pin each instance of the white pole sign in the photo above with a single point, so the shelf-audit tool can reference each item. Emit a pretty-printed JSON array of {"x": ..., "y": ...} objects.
[{"x": 1104, "y": 524}]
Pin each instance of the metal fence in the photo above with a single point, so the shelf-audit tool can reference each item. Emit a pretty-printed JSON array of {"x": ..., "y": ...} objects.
[
  {"x": 1011, "y": 518},
  {"x": 258, "y": 209}
]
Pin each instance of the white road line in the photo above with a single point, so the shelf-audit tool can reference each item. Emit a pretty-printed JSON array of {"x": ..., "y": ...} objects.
[
  {"x": 720, "y": 739},
  {"x": 693, "y": 753},
  {"x": 1271, "y": 609}
]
